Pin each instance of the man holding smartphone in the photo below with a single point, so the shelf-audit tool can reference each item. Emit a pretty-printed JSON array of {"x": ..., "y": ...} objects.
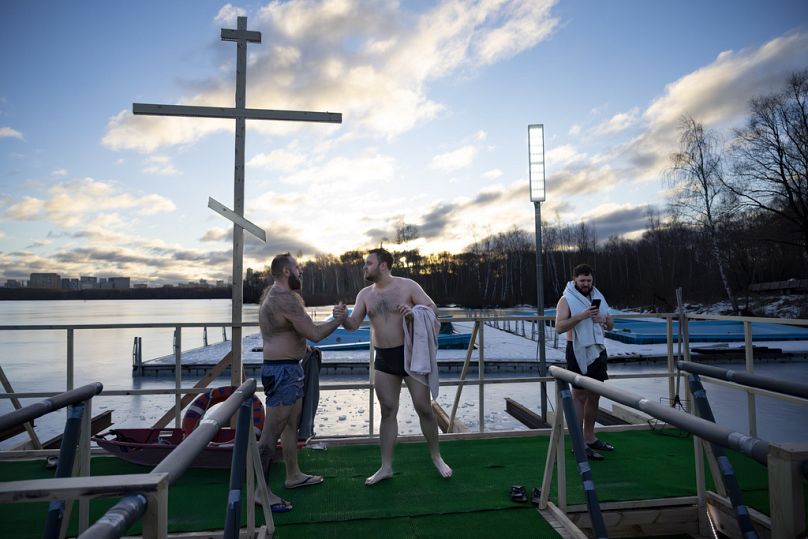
[{"x": 583, "y": 314}]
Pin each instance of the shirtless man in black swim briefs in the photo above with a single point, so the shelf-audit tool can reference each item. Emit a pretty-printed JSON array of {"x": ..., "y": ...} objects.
[
  {"x": 285, "y": 326},
  {"x": 387, "y": 301}
]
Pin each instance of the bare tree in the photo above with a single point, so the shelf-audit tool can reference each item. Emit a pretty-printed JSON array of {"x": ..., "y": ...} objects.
[
  {"x": 698, "y": 191},
  {"x": 771, "y": 158}
]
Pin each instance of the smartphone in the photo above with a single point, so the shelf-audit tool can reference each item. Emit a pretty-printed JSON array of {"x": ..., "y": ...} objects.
[{"x": 596, "y": 303}]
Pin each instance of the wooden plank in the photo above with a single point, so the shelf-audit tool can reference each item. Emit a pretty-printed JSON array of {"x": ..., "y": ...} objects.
[
  {"x": 227, "y": 213},
  {"x": 443, "y": 419},
  {"x": 235, "y": 113},
  {"x": 605, "y": 417},
  {"x": 229, "y": 34},
  {"x": 638, "y": 504},
  {"x": 215, "y": 371},
  {"x": 569, "y": 526},
  {"x": 762, "y": 522},
  {"x": 786, "y": 492},
  {"x": 72, "y": 487},
  {"x": 525, "y": 415}
]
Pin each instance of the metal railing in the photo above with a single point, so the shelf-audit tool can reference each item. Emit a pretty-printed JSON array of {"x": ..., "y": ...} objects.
[
  {"x": 132, "y": 507},
  {"x": 476, "y": 346},
  {"x": 76, "y": 436},
  {"x": 785, "y": 462}
]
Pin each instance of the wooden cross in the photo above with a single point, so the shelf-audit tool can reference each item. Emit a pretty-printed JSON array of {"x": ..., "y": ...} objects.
[{"x": 239, "y": 113}]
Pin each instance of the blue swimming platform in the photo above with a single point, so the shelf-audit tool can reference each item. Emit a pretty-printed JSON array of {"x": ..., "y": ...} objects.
[{"x": 653, "y": 331}]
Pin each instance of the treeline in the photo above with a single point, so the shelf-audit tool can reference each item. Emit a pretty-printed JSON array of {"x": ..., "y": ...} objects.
[{"x": 500, "y": 271}]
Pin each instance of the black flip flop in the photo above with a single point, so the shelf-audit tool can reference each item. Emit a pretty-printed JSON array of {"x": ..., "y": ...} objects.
[
  {"x": 600, "y": 445},
  {"x": 518, "y": 494}
]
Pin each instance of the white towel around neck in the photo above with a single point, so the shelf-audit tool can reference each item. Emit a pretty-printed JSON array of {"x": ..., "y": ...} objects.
[{"x": 588, "y": 340}]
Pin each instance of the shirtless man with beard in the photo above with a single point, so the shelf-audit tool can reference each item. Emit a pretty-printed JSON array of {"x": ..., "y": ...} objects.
[
  {"x": 285, "y": 326},
  {"x": 387, "y": 301}
]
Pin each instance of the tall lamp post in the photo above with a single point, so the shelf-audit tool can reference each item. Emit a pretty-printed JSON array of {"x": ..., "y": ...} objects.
[{"x": 535, "y": 147}]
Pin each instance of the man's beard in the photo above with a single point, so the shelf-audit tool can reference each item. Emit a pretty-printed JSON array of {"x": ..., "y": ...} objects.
[
  {"x": 294, "y": 282},
  {"x": 371, "y": 277},
  {"x": 586, "y": 293}
]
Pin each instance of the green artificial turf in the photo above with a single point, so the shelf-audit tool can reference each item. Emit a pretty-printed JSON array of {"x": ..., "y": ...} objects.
[{"x": 416, "y": 502}]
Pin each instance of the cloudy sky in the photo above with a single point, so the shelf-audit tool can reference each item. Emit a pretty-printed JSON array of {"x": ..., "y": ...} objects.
[{"x": 436, "y": 97}]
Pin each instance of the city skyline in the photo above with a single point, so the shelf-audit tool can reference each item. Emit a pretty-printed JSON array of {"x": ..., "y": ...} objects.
[{"x": 436, "y": 98}]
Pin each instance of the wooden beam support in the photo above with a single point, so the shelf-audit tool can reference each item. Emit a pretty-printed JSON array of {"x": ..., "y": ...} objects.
[
  {"x": 40, "y": 490},
  {"x": 525, "y": 415},
  {"x": 233, "y": 113}
]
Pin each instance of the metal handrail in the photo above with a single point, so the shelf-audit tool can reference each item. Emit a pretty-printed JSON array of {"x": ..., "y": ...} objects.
[
  {"x": 130, "y": 508},
  {"x": 751, "y": 446},
  {"x": 51, "y": 404},
  {"x": 777, "y": 385}
]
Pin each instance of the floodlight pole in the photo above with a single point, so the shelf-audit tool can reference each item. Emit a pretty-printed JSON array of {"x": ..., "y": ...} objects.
[
  {"x": 536, "y": 173},
  {"x": 540, "y": 310}
]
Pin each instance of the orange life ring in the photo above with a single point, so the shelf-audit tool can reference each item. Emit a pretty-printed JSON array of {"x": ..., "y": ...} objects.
[{"x": 197, "y": 409}]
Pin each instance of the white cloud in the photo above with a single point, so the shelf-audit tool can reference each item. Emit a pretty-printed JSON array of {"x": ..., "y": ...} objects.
[
  {"x": 492, "y": 174},
  {"x": 10, "y": 133},
  {"x": 562, "y": 155},
  {"x": 379, "y": 78},
  {"x": 228, "y": 15},
  {"x": 160, "y": 165},
  {"x": 617, "y": 123},
  {"x": 285, "y": 160},
  {"x": 575, "y": 130},
  {"x": 454, "y": 160},
  {"x": 717, "y": 95},
  {"x": 216, "y": 234},
  {"x": 27, "y": 209},
  {"x": 59, "y": 172},
  {"x": 75, "y": 203}
]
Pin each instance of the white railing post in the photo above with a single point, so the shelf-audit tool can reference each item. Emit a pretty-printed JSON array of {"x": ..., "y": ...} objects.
[
  {"x": 671, "y": 365},
  {"x": 751, "y": 407},
  {"x": 178, "y": 376},
  {"x": 84, "y": 462},
  {"x": 69, "y": 374},
  {"x": 481, "y": 377}
]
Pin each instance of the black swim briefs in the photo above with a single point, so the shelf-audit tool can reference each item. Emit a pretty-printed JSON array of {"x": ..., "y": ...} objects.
[
  {"x": 596, "y": 369},
  {"x": 390, "y": 360}
]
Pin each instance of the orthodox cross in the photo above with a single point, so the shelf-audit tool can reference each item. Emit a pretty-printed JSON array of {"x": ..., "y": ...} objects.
[{"x": 239, "y": 113}]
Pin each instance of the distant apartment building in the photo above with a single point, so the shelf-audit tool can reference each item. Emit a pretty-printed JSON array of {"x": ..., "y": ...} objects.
[
  {"x": 70, "y": 284},
  {"x": 140, "y": 285},
  {"x": 44, "y": 280},
  {"x": 119, "y": 283},
  {"x": 13, "y": 283},
  {"x": 86, "y": 282},
  {"x": 220, "y": 284}
]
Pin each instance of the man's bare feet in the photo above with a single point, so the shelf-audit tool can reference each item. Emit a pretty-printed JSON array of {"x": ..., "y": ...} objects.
[
  {"x": 443, "y": 468},
  {"x": 382, "y": 474}
]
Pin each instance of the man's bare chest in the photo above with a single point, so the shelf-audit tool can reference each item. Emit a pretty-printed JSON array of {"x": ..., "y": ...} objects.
[{"x": 383, "y": 304}]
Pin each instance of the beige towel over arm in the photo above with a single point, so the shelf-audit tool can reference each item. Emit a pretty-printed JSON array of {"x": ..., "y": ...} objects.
[{"x": 421, "y": 347}]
